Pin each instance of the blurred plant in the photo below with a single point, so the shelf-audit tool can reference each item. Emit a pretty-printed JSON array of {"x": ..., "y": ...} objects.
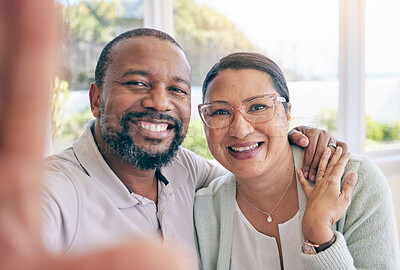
[
  {"x": 76, "y": 124},
  {"x": 206, "y": 35},
  {"x": 327, "y": 119},
  {"x": 196, "y": 139},
  {"x": 58, "y": 96},
  {"x": 374, "y": 130}
]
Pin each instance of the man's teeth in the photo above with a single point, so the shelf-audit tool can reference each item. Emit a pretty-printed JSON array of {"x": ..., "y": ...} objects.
[
  {"x": 154, "y": 127},
  {"x": 245, "y": 148}
]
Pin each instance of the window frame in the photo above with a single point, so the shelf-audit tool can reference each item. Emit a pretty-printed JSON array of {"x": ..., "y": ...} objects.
[{"x": 351, "y": 112}]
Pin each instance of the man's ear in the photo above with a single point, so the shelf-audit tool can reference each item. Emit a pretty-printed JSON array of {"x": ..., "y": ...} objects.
[{"x": 95, "y": 99}]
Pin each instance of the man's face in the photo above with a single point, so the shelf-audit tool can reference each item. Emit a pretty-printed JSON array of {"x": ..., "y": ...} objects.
[{"x": 145, "y": 101}]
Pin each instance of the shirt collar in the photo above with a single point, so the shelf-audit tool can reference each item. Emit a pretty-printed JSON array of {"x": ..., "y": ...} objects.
[{"x": 90, "y": 158}]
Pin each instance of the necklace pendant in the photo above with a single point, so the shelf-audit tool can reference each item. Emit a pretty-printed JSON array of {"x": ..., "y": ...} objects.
[{"x": 269, "y": 218}]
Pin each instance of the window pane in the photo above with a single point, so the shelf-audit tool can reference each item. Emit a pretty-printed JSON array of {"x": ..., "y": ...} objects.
[
  {"x": 382, "y": 74},
  {"x": 88, "y": 26},
  {"x": 301, "y": 36}
]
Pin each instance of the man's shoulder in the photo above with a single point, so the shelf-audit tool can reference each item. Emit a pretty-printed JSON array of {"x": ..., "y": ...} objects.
[
  {"x": 222, "y": 185},
  {"x": 185, "y": 155},
  {"x": 62, "y": 172},
  {"x": 65, "y": 157},
  {"x": 62, "y": 163}
]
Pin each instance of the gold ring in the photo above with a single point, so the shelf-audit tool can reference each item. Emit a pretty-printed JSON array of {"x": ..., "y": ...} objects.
[{"x": 332, "y": 144}]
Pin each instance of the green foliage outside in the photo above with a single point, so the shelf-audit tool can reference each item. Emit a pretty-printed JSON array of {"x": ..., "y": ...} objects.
[
  {"x": 91, "y": 20},
  {"x": 58, "y": 96},
  {"x": 63, "y": 125},
  {"x": 196, "y": 139},
  {"x": 327, "y": 120},
  {"x": 205, "y": 35},
  {"x": 375, "y": 132},
  {"x": 76, "y": 123}
]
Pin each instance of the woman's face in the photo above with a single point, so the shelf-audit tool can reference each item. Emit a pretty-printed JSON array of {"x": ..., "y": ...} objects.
[{"x": 246, "y": 149}]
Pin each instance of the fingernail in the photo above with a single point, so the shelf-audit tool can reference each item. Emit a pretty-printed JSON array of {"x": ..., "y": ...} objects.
[
  {"x": 303, "y": 141},
  {"x": 306, "y": 174},
  {"x": 312, "y": 177}
]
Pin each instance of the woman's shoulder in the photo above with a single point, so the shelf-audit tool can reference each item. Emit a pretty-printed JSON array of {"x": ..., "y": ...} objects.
[
  {"x": 225, "y": 183},
  {"x": 370, "y": 177}
]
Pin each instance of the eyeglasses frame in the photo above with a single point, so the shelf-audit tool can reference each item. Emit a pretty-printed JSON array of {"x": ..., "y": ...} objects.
[{"x": 274, "y": 97}]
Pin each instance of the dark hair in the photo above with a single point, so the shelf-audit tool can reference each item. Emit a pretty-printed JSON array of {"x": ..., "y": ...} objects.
[
  {"x": 105, "y": 56},
  {"x": 245, "y": 60}
]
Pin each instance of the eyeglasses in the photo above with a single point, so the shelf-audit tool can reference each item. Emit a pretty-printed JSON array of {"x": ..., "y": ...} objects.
[{"x": 256, "y": 109}]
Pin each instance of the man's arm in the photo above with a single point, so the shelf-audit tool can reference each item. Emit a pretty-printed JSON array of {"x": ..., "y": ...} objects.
[{"x": 27, "y": 43}]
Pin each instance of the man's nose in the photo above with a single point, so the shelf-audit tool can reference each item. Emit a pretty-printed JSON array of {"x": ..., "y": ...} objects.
[
  {"x": 157, "y": 99},
  {"x": 239, "y": 126}
]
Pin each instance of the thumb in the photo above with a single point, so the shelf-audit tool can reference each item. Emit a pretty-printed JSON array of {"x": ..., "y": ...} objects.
[
  {"x": 298, "y": 138},
  {"x": 304, "y": 184},
  {"x": 348, "y": 186}
]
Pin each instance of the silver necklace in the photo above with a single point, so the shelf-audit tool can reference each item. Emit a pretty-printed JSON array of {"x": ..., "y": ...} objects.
[{"x": 269, "y": 217}]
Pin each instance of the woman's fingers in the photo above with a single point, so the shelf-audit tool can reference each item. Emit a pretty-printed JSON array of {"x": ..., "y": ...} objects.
[
  {"x": 322, "y": 164},
  {"x": 304, "y": 184},
  {"x": 333, "y": 160},
  {"x": 338, "y": 169},
  {"x": 348, "y": 187}
]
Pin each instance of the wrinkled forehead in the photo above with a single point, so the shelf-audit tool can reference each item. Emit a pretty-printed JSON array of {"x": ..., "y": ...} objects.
[{"x": 238, "y": 85}]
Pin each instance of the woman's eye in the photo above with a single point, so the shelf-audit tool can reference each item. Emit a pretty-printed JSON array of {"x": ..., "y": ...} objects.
[
  {"x": 220, "y": 112},
  {"x": 258, "y": 107}
]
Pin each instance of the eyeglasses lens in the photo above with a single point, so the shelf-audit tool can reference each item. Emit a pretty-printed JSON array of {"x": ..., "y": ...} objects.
[{"x": 256, "y": 110}]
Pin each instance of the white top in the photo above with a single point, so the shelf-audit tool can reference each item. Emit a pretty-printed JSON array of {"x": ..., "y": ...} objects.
[
  {"x": 254, "y": 250},
  {"x": 86, "y": 206}
]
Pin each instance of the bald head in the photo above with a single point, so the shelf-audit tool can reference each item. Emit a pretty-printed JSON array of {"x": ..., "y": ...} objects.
[{"x": 106, "y": 55}]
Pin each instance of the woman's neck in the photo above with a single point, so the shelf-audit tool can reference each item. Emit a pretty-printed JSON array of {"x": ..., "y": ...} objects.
[{"x": 266, "y": 189}]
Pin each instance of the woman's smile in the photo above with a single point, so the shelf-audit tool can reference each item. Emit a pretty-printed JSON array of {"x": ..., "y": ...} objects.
[{"x": 246, "y": 150}]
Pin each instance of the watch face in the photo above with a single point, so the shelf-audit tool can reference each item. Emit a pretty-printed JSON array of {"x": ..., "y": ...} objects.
[{"x": 308, "y": 249}]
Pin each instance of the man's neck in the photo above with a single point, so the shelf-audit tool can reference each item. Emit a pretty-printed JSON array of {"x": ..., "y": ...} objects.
[{"x": 142, "y": 182}]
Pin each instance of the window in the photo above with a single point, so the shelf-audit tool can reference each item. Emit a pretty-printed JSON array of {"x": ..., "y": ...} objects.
[
  {"x": 88, "y": 26},
  {"x": 382, "y": 65},
  {"x": 302, "y": 41}
]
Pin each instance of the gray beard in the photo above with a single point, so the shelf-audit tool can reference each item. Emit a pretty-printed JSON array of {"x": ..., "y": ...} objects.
[{"x": 122, "y": 143}]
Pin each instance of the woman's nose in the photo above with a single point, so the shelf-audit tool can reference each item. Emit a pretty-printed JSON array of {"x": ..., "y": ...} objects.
[
  {"x": 157, "y": 99},
  {"x": 239, "y": 126}
]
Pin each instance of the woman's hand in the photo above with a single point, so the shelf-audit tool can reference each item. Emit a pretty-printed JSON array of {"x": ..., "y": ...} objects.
[
  {"x": 326, "y": 202},
  {"x": 314, "y": 141}
]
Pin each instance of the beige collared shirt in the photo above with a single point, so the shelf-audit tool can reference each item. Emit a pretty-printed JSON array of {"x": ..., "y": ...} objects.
[{"x": 86, "y": 206}]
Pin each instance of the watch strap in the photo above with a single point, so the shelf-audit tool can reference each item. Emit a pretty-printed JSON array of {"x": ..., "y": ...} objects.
[{"x": 324, "y": 246}]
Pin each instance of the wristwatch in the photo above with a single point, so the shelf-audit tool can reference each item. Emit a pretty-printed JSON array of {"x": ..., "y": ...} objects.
[{"x": 311, "y": 248}]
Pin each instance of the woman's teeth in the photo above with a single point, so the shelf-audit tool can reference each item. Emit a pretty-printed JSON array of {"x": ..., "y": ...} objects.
[
  {"x": 245, "y": 148},
  {"x": 154, "y": 127}
]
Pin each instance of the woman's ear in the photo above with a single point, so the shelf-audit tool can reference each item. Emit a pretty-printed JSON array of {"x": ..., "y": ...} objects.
[
  {"x": 95, "y": 99},
  {"x": 289, "y": 112}
]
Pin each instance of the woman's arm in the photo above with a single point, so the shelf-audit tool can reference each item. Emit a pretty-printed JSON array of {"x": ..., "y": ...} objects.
[{"x": 366, "y": 236}]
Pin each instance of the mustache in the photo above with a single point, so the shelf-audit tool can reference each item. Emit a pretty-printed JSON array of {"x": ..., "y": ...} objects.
[{"x": 131, "y": 116}]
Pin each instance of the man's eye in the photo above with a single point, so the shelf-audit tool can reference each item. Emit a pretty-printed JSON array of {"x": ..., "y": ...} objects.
[
  {"x": 138, "y": 83},
  {"x": 178, "y": 90},
  {"x": 258, "y": 108},
  {"x": 220, "y": 112}
]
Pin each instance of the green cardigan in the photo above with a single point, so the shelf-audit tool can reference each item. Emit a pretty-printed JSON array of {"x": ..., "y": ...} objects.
[{"x": 366, "y": 237}]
